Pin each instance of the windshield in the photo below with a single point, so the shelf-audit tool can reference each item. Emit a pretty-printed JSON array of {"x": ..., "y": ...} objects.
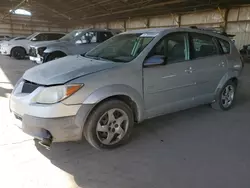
[
  {"x": 31, "y": 36},
  {"x": 121, "y": 48},
  {"x": 72, "y": 35}
]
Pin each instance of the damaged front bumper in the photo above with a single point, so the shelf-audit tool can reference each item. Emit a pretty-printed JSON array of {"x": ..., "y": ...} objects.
[{"x": 60, "y": 129}]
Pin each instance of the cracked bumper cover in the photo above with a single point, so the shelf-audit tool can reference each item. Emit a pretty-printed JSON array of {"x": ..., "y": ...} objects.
[{"x": 37, "y": 59}]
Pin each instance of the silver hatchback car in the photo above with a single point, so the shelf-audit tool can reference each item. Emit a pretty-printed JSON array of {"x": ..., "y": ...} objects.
[{"x": 131, "y": 77}]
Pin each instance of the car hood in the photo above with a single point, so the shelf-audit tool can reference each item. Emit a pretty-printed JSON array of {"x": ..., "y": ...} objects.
[
  {"x": 19, "y": 42},
  {"x": 65, "y": 69},
  {"x": 43, "y": 43}
]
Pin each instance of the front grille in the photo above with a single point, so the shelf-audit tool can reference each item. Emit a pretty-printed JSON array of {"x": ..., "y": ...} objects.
[
  {"x": 32, "y": 52},
  {"x": 29, "y": 87}
]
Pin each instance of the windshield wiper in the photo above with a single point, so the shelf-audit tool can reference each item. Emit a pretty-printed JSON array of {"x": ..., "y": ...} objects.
[
  {"x": 91, "y": 57},
  {"x": 104, "y": 58},
  {"x": 113, "y": 59}
]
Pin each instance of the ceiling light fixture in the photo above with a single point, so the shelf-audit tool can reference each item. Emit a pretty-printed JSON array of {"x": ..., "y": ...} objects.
[{"x": 21, "y": 12}]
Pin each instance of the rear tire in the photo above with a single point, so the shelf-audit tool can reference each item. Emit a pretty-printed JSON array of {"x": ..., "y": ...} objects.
[
  {"x": 54, "y": 56},
  {"x": 109, "y": 125},
  {"x": 18, "y": 53},
  {"x": 226, "y": 97}
]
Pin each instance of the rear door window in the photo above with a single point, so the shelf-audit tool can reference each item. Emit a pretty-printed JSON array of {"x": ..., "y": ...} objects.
[
  {"x": 90, "y": 37},
  {"x": 41, "y": 37},
  {"x": 55, "y": 36},
  {"x": 202, "y": 45},
  {"x": 102, "y": 36},
  {"x": 173, "y": 47}
]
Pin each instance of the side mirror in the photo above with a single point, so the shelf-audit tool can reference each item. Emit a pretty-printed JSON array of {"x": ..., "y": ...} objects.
[
  {"x": 34, "y": 39},
  {"x": 155, "y": 60}
]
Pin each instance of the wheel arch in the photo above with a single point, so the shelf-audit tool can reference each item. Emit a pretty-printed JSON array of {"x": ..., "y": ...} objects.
[
  {"x": 124, "y": 98},
  {"x": 48, "y": 55},
  {"x": 235, "y": 80},
  {"x": 57, "y": 51},
  {"x": 123, "y": 93},
  {"x": 233, "y": 76}
]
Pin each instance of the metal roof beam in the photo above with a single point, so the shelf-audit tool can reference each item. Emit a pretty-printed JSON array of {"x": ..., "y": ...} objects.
[{"x": 138, "y": 8}]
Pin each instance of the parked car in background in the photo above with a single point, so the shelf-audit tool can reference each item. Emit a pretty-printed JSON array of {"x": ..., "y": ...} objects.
[
  {"x": 20, "y": 48},
  {"x": 245, "y": 53},
  {"x": 13, "y": 39},
  {"x": 131, "y": 77},
  {"x": 76, "y": 42},
  {"x": 17, "y": 38},
  {"x": 4, "y": 37},
  {"x": 4, "y": 42}
]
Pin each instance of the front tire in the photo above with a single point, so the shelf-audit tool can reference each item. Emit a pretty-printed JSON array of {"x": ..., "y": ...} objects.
[
  {"x": 110, "y": 125},
  {"x": 226, "y": 97},
  {"x": 18, "y": 53}
]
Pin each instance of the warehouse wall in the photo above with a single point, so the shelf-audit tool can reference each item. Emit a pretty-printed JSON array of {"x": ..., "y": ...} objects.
[
  {"x": 14, "y": 25},
  {"x": 237, "y": 21}
]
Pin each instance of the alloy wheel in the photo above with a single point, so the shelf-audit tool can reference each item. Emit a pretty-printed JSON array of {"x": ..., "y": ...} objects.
[
  {"x": 227, "y": 96},
  {"x": 112, "y": 126}
]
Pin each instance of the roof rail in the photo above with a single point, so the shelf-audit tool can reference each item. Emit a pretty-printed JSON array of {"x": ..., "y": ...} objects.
[{"x": 213, "y": 30}]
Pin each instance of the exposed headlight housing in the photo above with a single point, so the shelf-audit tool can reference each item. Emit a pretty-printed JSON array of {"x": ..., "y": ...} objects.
[
  {"x": 54, "y": 94},
  {"x": 41, "y": 50}
]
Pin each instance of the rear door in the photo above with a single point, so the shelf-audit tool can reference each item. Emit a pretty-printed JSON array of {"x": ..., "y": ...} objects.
[{"x": 208, "y": 64}]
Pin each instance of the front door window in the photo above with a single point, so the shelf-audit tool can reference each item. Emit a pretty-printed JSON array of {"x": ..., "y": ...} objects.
[{"x": 173, "y": 47}]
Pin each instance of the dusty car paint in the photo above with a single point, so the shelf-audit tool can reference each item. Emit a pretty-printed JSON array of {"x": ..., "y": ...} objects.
[{"x": 154, "y": 90}]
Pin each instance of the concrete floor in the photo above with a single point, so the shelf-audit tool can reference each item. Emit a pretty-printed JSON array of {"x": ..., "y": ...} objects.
[{"x": 196, "y": 148}]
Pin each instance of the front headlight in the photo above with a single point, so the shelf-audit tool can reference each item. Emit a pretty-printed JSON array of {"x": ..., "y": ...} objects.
[
  {"x": 41, "y": 50},
  {"x": 54, "y": 94}
]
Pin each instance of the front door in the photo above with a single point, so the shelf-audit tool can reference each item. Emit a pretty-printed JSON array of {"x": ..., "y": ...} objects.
[{"x": 169, "y": 87}]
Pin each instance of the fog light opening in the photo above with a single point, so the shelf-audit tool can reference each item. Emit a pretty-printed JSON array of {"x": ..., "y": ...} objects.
[{"x": 47, "y": 139}]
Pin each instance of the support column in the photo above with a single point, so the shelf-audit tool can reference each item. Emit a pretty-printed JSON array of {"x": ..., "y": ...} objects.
[
  {"x": 11, "y": 26},
  {"x": 124, "y": 25},
  {"x": 179, "y": 20},
  {"x": 148, "y": 23}
]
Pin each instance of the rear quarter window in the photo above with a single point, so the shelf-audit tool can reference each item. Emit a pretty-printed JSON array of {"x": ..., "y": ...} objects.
[{"x": 225, "y": 46}]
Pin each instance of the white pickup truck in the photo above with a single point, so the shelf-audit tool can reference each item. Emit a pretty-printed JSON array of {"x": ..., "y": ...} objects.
[{"x": 20, "y": 48}]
